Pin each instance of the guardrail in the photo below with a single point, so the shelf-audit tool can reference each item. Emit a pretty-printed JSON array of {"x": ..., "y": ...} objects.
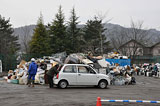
[{"x": 129, "y": 101}]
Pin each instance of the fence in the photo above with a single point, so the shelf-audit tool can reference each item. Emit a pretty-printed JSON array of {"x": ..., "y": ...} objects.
[
  {"x": 145, "y": 59},
  {"x": 128, "y": 101},
  {"x": 10, "y": 61}
]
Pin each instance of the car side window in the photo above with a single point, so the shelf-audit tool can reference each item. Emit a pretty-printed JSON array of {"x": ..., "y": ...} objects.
[
  {"x": 82, "y": 69},
  {"x": 86, "y": 69},
  {"x": 69, "y": 69}
]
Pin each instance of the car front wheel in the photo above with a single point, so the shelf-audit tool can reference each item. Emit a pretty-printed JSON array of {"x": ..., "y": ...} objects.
[
  {"x": 102, "y": 84},
  {"x": 62, "y": 84}
]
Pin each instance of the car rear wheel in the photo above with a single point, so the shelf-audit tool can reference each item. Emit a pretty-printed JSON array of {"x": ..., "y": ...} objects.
[
  {"x": 102, "y": 84},
  {"x": 63, "y": 84}
]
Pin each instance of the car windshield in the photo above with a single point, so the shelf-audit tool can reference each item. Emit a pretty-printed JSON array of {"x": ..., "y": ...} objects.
[{"x": 93, "y": 68}]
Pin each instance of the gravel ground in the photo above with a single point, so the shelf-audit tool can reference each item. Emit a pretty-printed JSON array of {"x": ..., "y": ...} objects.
[{"x": 147, "y": 88}]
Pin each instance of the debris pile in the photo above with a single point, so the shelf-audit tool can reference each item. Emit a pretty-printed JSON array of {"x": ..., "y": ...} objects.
[
  {"x": 20, "y": 74},
  {"x": 149, "y": 70},
  {"x": 115, "y": 55},
  {"x": 119, "y": 74}
]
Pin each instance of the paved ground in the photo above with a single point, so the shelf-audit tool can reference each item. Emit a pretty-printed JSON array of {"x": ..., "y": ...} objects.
[{"x": 147, "y": 88}]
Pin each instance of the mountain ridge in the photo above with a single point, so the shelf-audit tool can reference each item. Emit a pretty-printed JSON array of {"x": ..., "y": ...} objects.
[{"x": 111, "y": 29}]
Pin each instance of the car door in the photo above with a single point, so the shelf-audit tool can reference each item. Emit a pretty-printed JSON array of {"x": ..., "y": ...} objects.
[
  {"x": 70, "y": 74},
  {"x": 86, "y": 76}
]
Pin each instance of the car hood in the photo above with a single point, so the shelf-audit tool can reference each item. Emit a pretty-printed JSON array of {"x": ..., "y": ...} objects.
[{"x": 103, "y": 75}]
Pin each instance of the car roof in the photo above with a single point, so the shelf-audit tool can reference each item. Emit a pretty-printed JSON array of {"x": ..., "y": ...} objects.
[{"x": 76, "y": 64}]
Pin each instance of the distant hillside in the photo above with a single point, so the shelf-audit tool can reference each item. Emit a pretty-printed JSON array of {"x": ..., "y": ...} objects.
[
  {"x": 24, "y": 33},
  {"x": 116, "y": 30},
  {"x": 21, "y": 30},
  {"x": 112, "y": 29}
]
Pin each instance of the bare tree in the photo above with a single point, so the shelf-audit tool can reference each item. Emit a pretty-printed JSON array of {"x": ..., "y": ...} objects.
[
  {"x": 25, "y": 38},
  {"x": 136, "y": 33},
  {"x": 140, "y": 38},
  {"x": 102, "y": 17},
  {"x": 117, "y": 38}
]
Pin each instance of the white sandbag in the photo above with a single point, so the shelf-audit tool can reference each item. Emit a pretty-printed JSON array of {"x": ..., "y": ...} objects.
[
  {"x": 23, "y": 80},
  {"x": 125, "y": 57},
  {"x": 103, "y": 63},
  {"x": 9, "y": 81},
  {"x": 37, "y": 78},
  {"x": 86, "y": 61},
  {"x": 40, "y": 71},
  {"x": 5, "y": 78},
  {"x": 42, "y": 81},
  {"x": 49, "y": 66},
  {"x": 119, "y": 82},
  {"x": 128, "y": 78}
]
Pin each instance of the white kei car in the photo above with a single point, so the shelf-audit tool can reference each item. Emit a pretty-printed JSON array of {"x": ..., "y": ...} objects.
[{"x": 80, "y": 74}]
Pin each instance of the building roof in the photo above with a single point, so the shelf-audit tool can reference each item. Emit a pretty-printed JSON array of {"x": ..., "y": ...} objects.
[
  {"x": 132, "y": 40},
  {"x": 155, "y": 44}
]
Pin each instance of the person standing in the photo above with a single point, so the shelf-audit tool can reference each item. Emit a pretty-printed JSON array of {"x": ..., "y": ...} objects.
[
  {"x": 43, "y": 65},
  {"x": 155, "y": 68},
  {"x": 138, "y": 70},
  {"x": 127, "y": 78},
  {"x": 32, "y": 72},
  {"x": 107, "y": 69},
  {"x": 51, "y": 72}
]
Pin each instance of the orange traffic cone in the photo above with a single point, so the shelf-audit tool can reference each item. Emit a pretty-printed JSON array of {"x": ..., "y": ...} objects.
[{"x": 98, "y": 101}]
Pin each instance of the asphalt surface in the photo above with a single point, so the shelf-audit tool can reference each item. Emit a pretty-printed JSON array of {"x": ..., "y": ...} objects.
[{"x": 147, "y": 88}]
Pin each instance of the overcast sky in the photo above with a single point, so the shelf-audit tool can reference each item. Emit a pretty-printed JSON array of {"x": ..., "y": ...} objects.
[{"x": 26, "y": 12}]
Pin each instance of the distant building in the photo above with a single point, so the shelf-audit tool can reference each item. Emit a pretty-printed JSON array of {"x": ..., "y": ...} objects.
[
  {"x": 155, "y": 49},
  {"x": 141, "y": 53},
  {"x": 131, "y": 48}
]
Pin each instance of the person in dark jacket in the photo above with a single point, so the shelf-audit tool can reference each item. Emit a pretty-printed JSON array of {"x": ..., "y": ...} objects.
[
  {"x": 43, "y": 65},
  {"x": 32, "y": 72},
  {"x": 155, "y": 68},
  {"x": 51, "y": 72},
  {"x": 90, "y": 57}
]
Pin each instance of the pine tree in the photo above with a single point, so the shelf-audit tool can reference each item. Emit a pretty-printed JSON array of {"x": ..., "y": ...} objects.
[
  {"x": 58, "y": 33},
  {"x": 8, "y": 44},
  {"x": 73, "y": 33},
  {"x": 94, "y": 37},
  {"x": 40, "y": 43}
]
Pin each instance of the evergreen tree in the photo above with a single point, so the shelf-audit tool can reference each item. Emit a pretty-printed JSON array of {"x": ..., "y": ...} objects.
[
  {"x": 58, "y": 33},
  {"x": 73, "y": 33},
  {"x": 8, "y": 44},
  {"x": 94, "y": 36},
  {"x": 39, "y": 44}
]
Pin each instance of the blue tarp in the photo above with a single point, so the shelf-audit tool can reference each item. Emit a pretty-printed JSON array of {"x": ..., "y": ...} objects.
[{"x": 121, "y": 62}]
